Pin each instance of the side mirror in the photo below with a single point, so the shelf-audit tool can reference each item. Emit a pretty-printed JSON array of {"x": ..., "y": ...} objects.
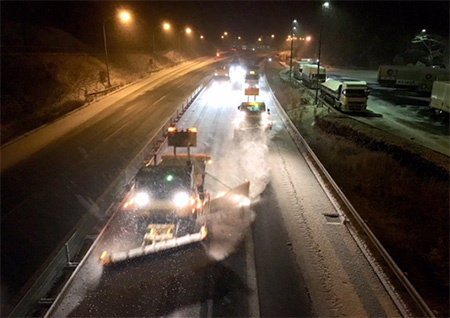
[
  {"x": 268, "y": 111},
  {"x": 239, "y": 107}
]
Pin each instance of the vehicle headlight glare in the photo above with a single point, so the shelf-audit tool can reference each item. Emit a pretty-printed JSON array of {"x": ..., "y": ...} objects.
[
  {"x": 142, "y": 199},
  {"x": 181, "y": 199}
]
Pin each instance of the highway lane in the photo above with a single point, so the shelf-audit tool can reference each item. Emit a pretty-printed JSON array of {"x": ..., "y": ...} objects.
[
  {"x": 45, "y": 195},
  {"x": 290, "y": 262}
]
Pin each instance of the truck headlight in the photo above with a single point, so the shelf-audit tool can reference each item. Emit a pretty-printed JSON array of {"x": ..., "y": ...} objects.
[
  {"x": 181, "y": 199},
  {"x": 142, "y": 199}
]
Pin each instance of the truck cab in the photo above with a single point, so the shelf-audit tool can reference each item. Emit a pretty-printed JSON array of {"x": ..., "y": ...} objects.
[
  {"x": 167, "y": 190},
  {"x": 346, "y": 96}
]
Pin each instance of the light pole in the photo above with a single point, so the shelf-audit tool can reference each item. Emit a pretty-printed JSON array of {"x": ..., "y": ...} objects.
[
  {"x": 326, "y": 6},
  {"x": 165, "y": 26},
  {"x": 292, "y": 47},
  {"x": 187, "y": 30},
  {"x": 124, "y": 16}
]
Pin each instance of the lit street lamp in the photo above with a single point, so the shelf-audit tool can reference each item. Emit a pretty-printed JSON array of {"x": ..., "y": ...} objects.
[
  {"x": 165, "y": 26},
  {"x": 326, "y": 5},
  {"x": 294, "y": 27},
  {"x": 125, "y": 17},
  {"x": 187, "y": 31}
]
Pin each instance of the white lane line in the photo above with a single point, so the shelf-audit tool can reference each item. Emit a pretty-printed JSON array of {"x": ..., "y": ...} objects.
[
  {"x": 121, "y": 127},
  {"x": 160, "y": 99},
  {"x": 253, "y": 299},
  {"x": 180, "y": 85}
]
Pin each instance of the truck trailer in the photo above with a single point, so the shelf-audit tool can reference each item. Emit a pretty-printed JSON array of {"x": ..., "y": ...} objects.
[
  {"x": 298, "y": 66},
  {"x": 345, "y": 96},
  {"x": 415, "y": 78},
  {"x": 440, "y": 97},
  {"x": 310, "y": 77}
]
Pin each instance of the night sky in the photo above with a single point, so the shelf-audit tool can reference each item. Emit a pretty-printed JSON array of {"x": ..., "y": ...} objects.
[{"x": 391, "y": 24}]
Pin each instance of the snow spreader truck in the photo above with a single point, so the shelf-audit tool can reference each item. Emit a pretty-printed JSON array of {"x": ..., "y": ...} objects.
[
  {"x": 169, "y": 198},
  {"x": 252, "y": 117}
]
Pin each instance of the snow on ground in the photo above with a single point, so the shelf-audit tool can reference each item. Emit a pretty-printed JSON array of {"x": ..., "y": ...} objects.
[
  {"x": 400, "y": 112},
  {"x": 338, "y": 276}
]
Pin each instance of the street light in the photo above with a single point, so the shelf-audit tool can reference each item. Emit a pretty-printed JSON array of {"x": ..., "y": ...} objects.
[
  {"x": 165, "y": 26},
  {"x": 124, "y": 16},
  {"x": 326, "y": 5},
  {"x": 187, "y": 30},
  {"x": 294, "y": 27}
]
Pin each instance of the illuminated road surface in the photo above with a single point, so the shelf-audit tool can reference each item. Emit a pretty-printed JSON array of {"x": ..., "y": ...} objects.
[{"x": 290, "y": 262}]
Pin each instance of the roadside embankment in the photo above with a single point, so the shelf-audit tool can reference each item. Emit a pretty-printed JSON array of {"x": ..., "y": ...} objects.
[{"x": 400, "y": 189}]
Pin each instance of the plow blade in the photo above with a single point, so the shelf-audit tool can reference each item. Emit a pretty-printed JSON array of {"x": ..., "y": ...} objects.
[
  {"x": 234, "y": 199},
  {"x": 111, "y": 258}
]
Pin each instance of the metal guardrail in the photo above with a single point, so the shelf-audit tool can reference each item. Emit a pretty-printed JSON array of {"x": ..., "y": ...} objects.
[
  {"x": 317, "y": 165},
  {"x": 37, "y": 294},
  {"x": 91, "y": 96}
]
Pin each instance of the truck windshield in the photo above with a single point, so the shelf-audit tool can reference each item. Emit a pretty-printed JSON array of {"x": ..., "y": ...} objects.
[
  {"x": 163, "y": 184},
  {"x": 254, "y": 110}
]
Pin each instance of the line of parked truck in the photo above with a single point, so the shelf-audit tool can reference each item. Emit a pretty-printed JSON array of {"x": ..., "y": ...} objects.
[
  {"x": 347, "y": 96},
  {"x": 352, "y": 96},
  {"x": 424, "y": 80}
]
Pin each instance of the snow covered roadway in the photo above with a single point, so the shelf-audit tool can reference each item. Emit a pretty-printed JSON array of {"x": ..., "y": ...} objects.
[{"x": 290, "y": 256}]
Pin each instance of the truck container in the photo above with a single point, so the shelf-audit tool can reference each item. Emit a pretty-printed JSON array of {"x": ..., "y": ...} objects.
[
  {"x": 440, "y": 97},
  {"x": 310, "y": 77},
  {"x": 298, "y": 67},
  {"x": 416, "y": 78},
  {"x": 345, "y": 96}
]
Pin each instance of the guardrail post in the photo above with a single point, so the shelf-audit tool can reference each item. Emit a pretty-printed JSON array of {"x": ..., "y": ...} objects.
[{"x": 69, "y": 263}]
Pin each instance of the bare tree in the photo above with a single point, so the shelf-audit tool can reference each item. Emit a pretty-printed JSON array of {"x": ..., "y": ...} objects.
[{"x": 432, "y": 45}]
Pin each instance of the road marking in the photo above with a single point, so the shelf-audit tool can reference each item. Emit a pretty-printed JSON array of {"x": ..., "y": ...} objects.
[
  {"x": 253, "y": 299},
  {"x": 121, "y": 127},
  {"x": 180, "y": 85},
  {"x": 160, "y": 99}
]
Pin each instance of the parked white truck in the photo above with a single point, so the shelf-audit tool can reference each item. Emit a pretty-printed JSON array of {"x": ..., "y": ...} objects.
[
  {"x": 440, "y": 97},
  {"x": 298, "y": 66},
  {"x": 310, "y": 77},
  {"x": 345, "y": 96},
  {"x": 416, "y": 78}
]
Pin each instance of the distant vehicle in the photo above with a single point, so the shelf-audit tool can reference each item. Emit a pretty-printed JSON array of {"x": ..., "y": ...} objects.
[
  {"x": 298, "y": 66},
  {"x": 345, "y": 96},
  {"x": 310, "y": 77},
  {"x": 252, "y": 78},
  {"x": 440, "y": 97},
  {"x": 222, "y": 73},
  {"x": 416, "y": 78},
  {"x": 253, "y": 117},
  {"x": 235, "y": 61}
]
